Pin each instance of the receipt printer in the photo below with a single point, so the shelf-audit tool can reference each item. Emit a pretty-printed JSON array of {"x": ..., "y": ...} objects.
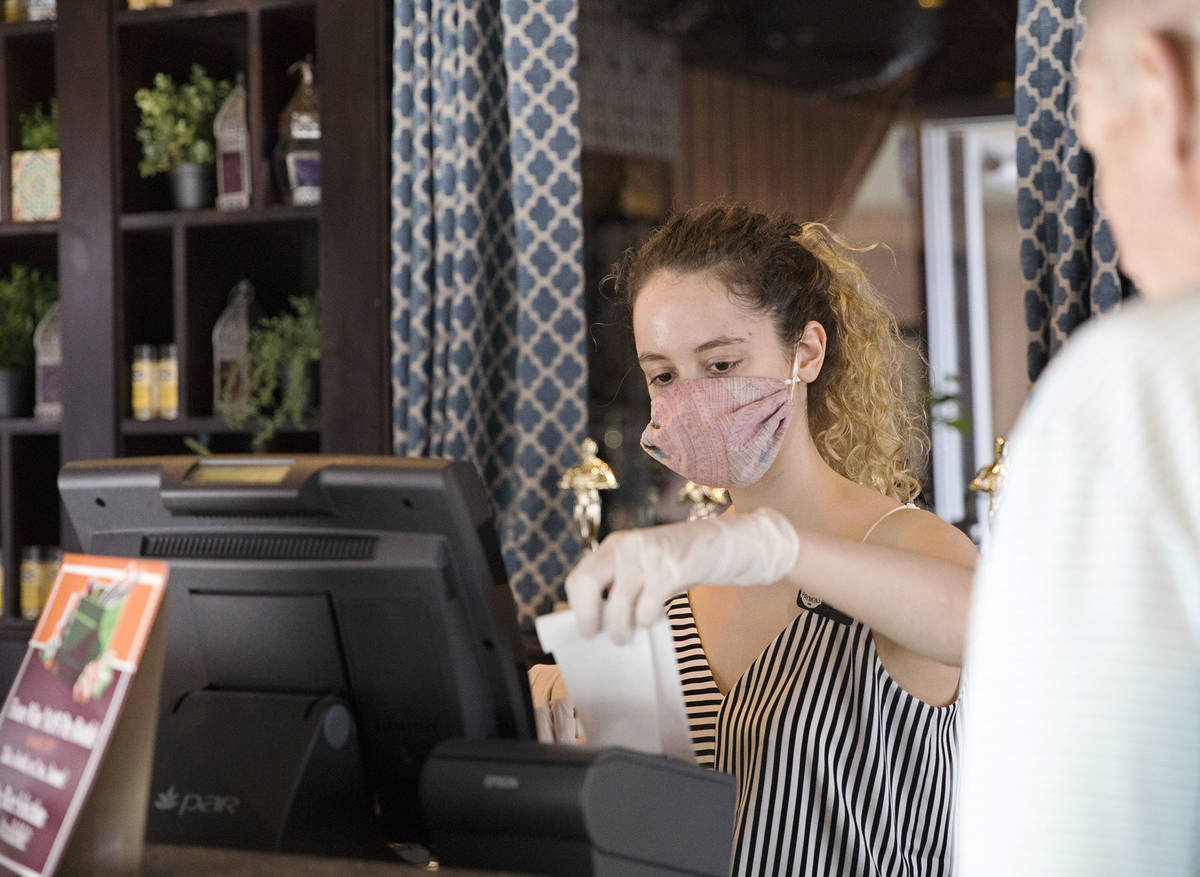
[{"x": 558, "y": 809}]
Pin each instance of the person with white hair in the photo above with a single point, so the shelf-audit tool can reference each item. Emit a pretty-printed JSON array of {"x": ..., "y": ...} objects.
[{"x": 1081, "y": 734}]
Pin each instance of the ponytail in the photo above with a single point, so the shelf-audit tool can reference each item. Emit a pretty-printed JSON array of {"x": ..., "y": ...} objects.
[{"x": 858, "y": 414}]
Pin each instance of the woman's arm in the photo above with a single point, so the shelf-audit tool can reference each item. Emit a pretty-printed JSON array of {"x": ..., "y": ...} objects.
[
  {"x": 911, "y": 583},
  {"x": 915, "y": 596}
]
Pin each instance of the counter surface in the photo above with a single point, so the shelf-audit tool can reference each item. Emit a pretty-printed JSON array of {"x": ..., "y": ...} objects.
[{"x": 163, "y": 860}]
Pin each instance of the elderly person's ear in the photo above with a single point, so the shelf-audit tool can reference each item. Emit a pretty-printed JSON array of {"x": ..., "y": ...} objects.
[{"x": 1166, "y": 87}]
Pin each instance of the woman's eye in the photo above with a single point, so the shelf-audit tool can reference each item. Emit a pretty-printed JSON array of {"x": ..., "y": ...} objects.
[
  {"x": 722, "y": 367},
  {"x": 661, "y": 379}
]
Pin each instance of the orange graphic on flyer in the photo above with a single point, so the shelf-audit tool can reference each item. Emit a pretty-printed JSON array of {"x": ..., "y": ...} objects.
[{"x": 144, "y": 579}]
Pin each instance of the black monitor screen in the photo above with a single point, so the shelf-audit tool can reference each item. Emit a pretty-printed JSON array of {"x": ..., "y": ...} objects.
[{"x": 308, "y": 596}]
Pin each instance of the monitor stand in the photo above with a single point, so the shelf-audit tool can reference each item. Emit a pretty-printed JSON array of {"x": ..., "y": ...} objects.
[{"x": 288, "y": 777}]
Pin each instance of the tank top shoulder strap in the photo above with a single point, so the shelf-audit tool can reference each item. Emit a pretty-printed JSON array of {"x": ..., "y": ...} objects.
[{"x": 885, "y": 516}]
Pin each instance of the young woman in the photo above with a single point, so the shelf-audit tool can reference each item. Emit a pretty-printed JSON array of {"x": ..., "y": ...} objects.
[{"x": 827, "y": 680}]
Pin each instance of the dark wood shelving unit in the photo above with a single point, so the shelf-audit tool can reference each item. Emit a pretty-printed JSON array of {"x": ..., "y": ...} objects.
[
  {"x": 27, "y": 73},
  {"x": 29, "y": 449},
  {"x": 23, "y": 28},
  {"x": 166, "y": 436},
  {"x": 180, "y": 426},
  {"x": 202, "y": 9},
  {"x": 169, "y": 219},
  {"x": 29, "y": 426},
  {"x": 28, "y": 229},
  {"x": 132, "y": 271},
  {"x": 29, "y": 462}
]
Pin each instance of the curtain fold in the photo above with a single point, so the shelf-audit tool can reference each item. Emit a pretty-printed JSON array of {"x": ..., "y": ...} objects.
[
  {"x": 1068, "y": 256},
  {"x": 488, "y": 343}
]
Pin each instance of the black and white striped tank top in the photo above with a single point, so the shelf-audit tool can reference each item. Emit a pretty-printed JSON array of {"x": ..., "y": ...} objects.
[{"x": 840, "y": 771}]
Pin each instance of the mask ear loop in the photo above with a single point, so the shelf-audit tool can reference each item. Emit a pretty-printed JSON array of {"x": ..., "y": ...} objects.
[{"x": 795, "y": 378}]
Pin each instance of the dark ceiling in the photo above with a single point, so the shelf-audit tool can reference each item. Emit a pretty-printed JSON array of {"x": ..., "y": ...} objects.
[{"x": 961, "y": 50}]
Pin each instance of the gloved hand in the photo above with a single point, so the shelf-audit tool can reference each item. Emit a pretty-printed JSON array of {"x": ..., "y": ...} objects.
[{"x": 647, "y": 567}]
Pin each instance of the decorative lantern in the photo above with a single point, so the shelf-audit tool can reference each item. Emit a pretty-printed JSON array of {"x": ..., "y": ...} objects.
[
  {"x": 233, "y": 150},
  {"x": 298, "y": 152}
]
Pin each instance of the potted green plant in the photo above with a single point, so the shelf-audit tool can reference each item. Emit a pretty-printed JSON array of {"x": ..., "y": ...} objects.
[
  {"x": 25, "y": 296},
  {"x": 280, "y": 373},
  {"x": 35, "y": 166},
  {"x": 176, "y": 133}
]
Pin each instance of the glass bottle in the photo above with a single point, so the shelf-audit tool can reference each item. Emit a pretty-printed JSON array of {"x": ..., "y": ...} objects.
[
  {"x": 39, "y": 568},
  {"x": 230, "y": 338},
  {"x": 143, "y": 395},
  {"x": 47, "y": 342},
  {"x": 167, "y": 382},
  {"x": 31, "y": 558}
]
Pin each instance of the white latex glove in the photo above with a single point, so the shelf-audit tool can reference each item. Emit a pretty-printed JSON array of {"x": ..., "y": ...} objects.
[{"x": 647, "y": 567}]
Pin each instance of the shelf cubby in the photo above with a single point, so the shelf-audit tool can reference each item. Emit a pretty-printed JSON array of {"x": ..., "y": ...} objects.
[{"x": 29, "y": 507}]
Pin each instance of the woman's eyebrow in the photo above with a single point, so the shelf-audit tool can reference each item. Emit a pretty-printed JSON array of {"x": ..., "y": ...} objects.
[{"x": 721, "y": 341}]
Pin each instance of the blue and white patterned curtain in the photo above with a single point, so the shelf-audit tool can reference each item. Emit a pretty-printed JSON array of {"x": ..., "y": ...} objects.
[
  {"x": 489, "y": 359},
  {"x": 1067, "y": 252}
]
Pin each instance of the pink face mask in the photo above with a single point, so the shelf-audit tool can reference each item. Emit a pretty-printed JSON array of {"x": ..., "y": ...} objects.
[{"x": 723, "y": 431}]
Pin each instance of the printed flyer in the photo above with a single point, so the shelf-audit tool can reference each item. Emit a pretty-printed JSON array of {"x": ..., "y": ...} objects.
[{"x": 60, "y": 713}]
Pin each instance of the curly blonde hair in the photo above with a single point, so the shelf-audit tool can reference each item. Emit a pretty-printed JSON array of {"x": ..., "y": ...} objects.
[{"x": 795, "y": 273}]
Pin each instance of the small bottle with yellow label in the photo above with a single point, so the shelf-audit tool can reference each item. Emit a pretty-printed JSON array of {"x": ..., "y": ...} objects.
[
  {"x": 39, "y": 568},
  {"x": 167, "y": 382},
  {"x": 31, "y": 557},
  {"x": 143, "y": 397}
]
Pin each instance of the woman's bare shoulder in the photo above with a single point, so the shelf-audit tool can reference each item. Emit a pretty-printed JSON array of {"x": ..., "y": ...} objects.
[{"x": 923, "y": 532}]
